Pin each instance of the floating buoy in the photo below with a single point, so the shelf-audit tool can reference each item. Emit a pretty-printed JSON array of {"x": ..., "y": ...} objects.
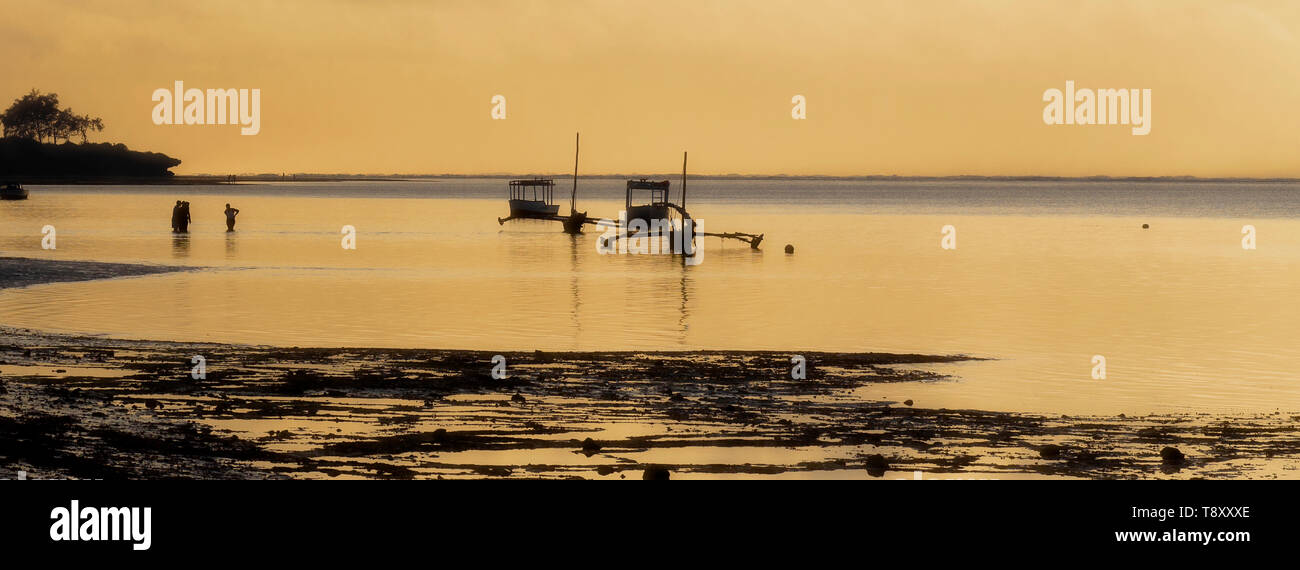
[
  {"x": 1145, "y": 226},
  {"x": 789, "y": 248}
]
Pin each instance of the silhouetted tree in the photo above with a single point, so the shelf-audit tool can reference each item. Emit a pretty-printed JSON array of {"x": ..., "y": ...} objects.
[
  {"x": 85, "y": 124},
  {"x": 37, "y": 116}
]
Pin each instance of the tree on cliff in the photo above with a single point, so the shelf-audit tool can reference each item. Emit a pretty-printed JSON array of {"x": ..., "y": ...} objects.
[
  {"x": 33, "y": 126},
  {"x": 37, "y": 116}
]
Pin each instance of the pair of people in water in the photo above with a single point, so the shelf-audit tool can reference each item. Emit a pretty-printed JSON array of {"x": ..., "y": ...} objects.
[{"x": 181, "y": 217}]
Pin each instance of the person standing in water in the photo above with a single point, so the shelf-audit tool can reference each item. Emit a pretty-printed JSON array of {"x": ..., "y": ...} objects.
[
  {"x": 230, "y": 217},
  {"x": 183, "y": 225},
  {"x": 176, "y": 217}
]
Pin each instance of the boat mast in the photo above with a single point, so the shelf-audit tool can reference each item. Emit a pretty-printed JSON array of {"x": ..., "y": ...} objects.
[
  {"x": 683, "y": 181},
  {"x": 573, "y": 199},
  {"x": 573, "y": 223}
]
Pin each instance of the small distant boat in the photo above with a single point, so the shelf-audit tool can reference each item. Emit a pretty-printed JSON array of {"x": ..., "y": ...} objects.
[
  {"x": 13, "y": 192},
  {"x": 533, "y": 198}
]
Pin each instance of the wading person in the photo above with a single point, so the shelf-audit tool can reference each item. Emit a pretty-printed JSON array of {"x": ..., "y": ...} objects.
[
  {"x": 183, "y": 223},
  {"x": 176, "y": 217},
  {"x": 230, "y": 217}
]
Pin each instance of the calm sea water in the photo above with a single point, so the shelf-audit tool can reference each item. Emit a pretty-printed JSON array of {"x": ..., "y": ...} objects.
[{"x": 1045, "y": 275}]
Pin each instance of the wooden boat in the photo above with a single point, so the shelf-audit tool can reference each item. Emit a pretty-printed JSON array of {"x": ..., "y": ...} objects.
[
  {"x": 533, "y": 198},
  {"x": 649, "y": 200},
  {"x": 13, "y": 192}
]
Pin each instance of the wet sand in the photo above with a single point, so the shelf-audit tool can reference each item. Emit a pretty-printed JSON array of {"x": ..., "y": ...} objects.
[
  {"x": 24, "y": 271},
  {"x": 89, "y": 407}
]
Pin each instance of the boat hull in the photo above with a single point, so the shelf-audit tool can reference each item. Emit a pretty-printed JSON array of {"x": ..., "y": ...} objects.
[
  {"x": 533, "y": 209},
  {"x": 647, "y": 213}
]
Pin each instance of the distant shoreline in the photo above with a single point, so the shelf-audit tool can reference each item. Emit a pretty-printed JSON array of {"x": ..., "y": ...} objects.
[
  {"x": 869, "y": 178},
  {"x": 185, "y": 180},
  {"x": 207, "y": 179}
]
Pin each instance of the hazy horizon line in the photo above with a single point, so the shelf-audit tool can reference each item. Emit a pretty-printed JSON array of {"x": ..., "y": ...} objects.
[{"x": 738, "y": 176}]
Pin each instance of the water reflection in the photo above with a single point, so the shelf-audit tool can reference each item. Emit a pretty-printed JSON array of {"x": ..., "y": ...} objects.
[
  {"x": 231, "y": 248},
  {"x": 1184, "y": 316},
  {"x": 684, "y": 283},
  {"x": 576, "y": 242},
  {"x": 180, "y": 245}
]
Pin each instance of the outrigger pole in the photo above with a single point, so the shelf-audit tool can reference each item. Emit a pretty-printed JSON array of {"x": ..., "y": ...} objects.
[{"x": 752, "y": 239}]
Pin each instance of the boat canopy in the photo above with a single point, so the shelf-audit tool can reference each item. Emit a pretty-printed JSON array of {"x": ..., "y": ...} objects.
[
  {"x": 535, "y": 189},
  {"x": 657, "y": 191}
]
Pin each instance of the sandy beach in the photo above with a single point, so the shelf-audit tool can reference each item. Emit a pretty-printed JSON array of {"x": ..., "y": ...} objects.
[{"x": 90, "y": 407}]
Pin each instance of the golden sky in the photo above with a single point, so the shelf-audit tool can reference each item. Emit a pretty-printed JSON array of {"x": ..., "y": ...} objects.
[{"x": 909, "y": 87}]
